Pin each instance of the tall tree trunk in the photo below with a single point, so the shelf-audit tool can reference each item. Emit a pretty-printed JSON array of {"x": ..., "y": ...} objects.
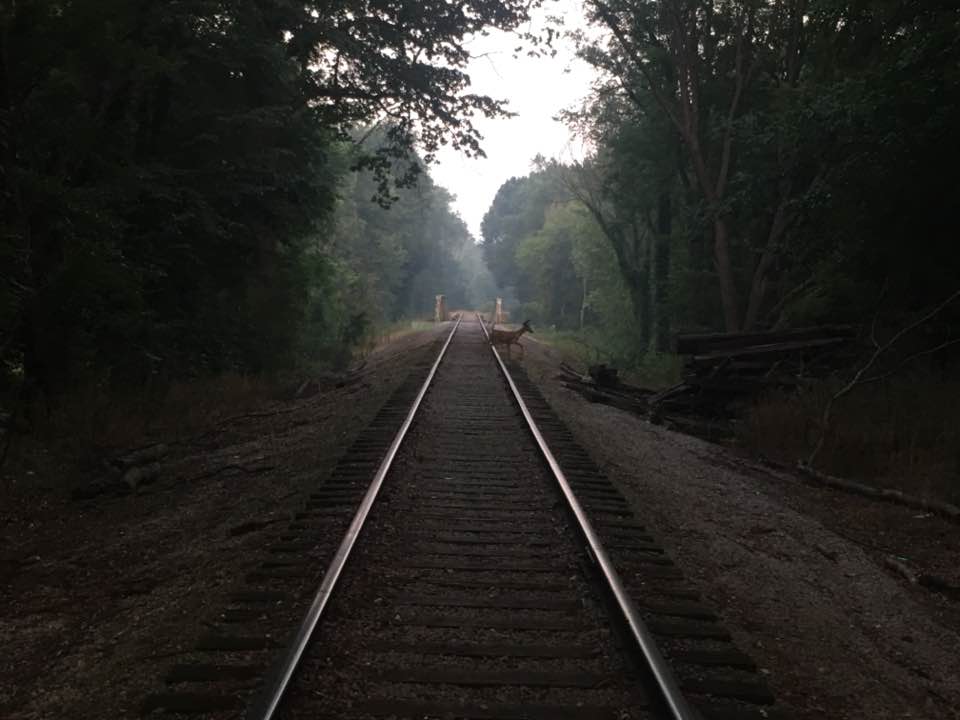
[
  {"x": 653, "y": 288},
  {"x": 662, "y": 262},
  {"x": 724, "y": 266},
  {"x": 637, "y": 287},
  {"x": 722, "y": 262},
  {"x": 758, "y": 285},
  {"x": 626, "y": 243},
  {"x": 583, "y": 302},
  {"x": 641, "y": 293}
]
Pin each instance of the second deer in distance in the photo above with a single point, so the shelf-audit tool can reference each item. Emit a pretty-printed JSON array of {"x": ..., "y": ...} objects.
[{"x": 510, "y": 337}]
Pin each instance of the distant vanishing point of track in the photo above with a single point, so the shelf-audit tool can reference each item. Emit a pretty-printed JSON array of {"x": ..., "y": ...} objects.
[{"x": 475, "y": 564}]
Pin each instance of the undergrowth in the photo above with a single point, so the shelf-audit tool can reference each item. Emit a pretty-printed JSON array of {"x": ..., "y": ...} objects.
[
  {"x": 590, "y": 347},
  {"x": 66, "y": 436},
  {"x": 394, "y": 331},
  {"x": 78, "y": 432},
  {"x": 903, "y": 434}
]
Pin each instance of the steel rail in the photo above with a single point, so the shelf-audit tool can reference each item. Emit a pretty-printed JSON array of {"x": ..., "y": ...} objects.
[
  {"x": 265, "y": 709},
  {"x": 666, "y": 682}
]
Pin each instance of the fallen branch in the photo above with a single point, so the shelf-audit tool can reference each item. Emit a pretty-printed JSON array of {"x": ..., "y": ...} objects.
[
  {"x": 911, "y": 358},
  {"x": 572, "y": 371},
  {"x": 880, "y": 350},
  {"x": 931, "y": 582},
  {"x": 901, "y": 568},
  {"x": 951, "y": 512},
  {"x": 247, "y": 471},
  {"x": 606, "y": 397}
]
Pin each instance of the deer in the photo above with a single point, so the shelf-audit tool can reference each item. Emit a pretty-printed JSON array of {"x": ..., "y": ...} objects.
[{"x": 510, "y": 337}]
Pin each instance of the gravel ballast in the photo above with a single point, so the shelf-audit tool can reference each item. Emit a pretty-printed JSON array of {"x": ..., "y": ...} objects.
[
  {"x": 796, "y": 572},
  {"x": 99, "y": 597}
]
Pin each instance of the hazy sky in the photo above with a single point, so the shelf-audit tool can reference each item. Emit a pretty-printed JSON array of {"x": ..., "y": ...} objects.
[{"x": 537, "y": 89}]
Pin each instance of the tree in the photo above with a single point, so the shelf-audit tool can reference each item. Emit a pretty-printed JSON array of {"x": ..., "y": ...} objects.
[
  {"x": 546, "y": 256},
  {"x": 165, "y": 168},
  {"x": 706, "y": 67},
  {"x": 517, "y": 211},
  {"x": 386, "y": 264},
  {"x": 627, "y": 185}
]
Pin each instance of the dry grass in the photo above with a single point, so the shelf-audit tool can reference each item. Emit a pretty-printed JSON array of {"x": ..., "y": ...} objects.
[
  {"x": 83, "y": 429},
  {"x": 904, "y": 434},
  {"x": 393, "y": 332}
]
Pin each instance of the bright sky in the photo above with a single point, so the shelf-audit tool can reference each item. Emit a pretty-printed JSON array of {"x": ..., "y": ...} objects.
[{"x": 537, "y": 89}]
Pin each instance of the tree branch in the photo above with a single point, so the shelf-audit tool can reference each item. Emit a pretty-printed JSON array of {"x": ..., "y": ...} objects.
[
  {"x": 910, "y": 358},
  {"x": 858, "y": 378},
  {"x": 637, "y": 60},
  {"x": 740, "y": 82}
]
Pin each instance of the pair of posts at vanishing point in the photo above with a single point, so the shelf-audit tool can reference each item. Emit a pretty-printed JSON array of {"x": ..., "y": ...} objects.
[{"x": 441, "y": 314}]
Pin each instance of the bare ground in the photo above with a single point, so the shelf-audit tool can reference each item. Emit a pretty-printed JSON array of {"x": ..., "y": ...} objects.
[
  {"x": 98, "y": 597},
  {"x": 796, "y": 571}
]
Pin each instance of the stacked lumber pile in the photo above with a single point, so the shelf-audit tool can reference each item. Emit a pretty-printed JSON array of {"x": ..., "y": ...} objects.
[
  {"x": 722, "y": 373},
  {"x": 724, "y": 370}
]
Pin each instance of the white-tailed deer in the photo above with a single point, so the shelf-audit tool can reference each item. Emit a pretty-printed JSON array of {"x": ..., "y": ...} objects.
[{"x": 510, "y": 337}]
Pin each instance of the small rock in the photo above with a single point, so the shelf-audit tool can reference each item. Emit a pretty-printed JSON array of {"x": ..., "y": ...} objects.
[{"x": 826, "y": 552}]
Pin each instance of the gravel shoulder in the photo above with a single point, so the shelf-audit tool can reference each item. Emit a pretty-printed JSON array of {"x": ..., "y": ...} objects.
[
  {"x": 796, "y": 571},
  {"x": 99, "y": 597}
]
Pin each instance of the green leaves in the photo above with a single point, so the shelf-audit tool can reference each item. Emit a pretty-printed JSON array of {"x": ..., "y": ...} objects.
[
  {"x": 167, "y": 167},
  {"x": 802, "y": 135}
]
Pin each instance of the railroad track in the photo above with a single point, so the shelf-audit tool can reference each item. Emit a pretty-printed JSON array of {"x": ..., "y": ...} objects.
[{"x": 488, "y": 570}]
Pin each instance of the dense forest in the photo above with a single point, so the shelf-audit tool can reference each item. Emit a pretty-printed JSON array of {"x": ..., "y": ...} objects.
[
  {"x": 374, "y": 265},
  {"x": 196, "y": 187},
  {"x": 756, "y": 167},
  {"x": 753, "y": 166},
  {"x": 203, "y": 187}
]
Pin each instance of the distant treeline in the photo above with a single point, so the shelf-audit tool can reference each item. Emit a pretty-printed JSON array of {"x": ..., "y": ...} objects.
[
  {"x": 753, "y": 165},
  {"x": 180, "y": 193},
  {"x": 377, "y": 265}
]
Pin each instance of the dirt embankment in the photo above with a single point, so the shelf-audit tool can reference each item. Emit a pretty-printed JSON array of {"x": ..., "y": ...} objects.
[
  {"x": 99, "y": 597},
  {"x": 797, "y": 572}
]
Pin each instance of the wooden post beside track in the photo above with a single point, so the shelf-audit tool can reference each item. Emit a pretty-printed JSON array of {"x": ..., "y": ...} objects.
[{"x": 440, "y": 309}]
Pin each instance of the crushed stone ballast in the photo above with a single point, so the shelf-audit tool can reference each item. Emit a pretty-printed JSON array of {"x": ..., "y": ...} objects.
[{"x": 473, "y": 562}]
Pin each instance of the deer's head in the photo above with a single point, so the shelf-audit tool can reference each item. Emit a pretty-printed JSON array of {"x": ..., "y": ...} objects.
[{"x": 526, "y": 326}]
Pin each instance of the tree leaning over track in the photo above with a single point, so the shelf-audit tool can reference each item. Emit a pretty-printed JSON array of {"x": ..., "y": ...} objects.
[{"x": 164, "y": 166}]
